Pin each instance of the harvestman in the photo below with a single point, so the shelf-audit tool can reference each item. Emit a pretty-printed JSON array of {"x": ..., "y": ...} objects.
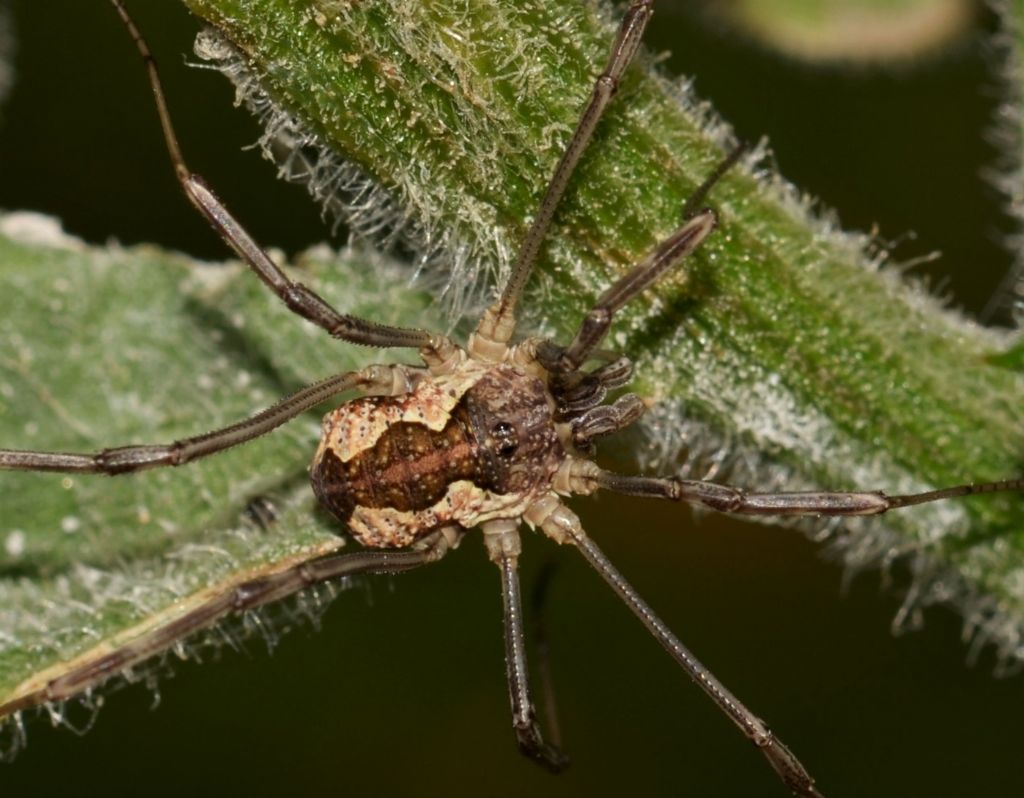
[{"x": 490, "y": 435}]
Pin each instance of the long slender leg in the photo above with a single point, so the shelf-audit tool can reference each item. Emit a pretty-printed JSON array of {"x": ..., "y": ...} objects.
[
  {"x": 243, "y": 596},
  {"x": 727, "y": 499},
  {"x": 562, "y": 525},
  {"x": 668, "y": 253},
  {"x": 498, "y": 322},
  {"x": 125, "y": 459},
  {"x": 697, "y": 225},
  {"x": 696, "y": 199},
  {"x": 298, "y": 298},
  {"x": 502, "y": 540}
]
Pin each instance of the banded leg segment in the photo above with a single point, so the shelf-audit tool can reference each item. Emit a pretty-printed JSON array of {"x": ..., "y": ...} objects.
[
  {"x": 503, "y": 546},
  {"x": 562, "y": 525},
  {"x": 727, "y": 499},
  {"x": 597, "y": 321},
  {"x": 91, "y": 671},
  {"x": 125, "y": 459},
  {"x": 697, "y": 225},
  {"x": 498, "y": 322},
  {"x": 298, "y": 298}
]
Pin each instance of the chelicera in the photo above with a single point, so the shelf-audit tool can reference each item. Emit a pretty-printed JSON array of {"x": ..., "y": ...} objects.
[{"x": 488, "y": 436}]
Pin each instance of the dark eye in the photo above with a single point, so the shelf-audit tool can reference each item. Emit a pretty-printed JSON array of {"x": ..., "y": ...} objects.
[{"x": 505, "y": 439}]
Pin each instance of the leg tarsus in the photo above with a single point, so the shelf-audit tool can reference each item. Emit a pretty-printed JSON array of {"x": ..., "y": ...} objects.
[
  {"x": 532, "y": 746},
  {"x": 793, "y": 774}
]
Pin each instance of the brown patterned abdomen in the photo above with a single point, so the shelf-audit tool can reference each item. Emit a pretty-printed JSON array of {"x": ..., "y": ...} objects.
[{"x": 408, "y": 468}]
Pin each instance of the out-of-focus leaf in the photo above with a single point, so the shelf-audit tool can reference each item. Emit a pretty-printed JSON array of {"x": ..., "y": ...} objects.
[{"x": 854, "y": 32}]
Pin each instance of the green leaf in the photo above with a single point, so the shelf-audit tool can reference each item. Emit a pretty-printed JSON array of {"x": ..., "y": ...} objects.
[{"x": 107, "y": 347}]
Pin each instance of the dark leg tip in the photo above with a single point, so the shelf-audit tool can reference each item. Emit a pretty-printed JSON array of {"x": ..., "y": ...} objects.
[{"x": 552, "y": 759}]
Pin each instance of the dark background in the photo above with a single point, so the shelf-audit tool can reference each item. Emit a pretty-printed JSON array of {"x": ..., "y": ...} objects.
[{"x": 402, "y": 689}]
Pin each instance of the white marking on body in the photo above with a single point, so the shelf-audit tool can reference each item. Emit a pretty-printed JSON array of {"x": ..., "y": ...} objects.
[
  {"x": 464, "y": 503},
  {"x": 356, "y": 426}
]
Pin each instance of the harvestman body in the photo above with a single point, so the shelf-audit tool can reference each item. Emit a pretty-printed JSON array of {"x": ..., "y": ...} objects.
[{"x": 489, "y": 436}]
